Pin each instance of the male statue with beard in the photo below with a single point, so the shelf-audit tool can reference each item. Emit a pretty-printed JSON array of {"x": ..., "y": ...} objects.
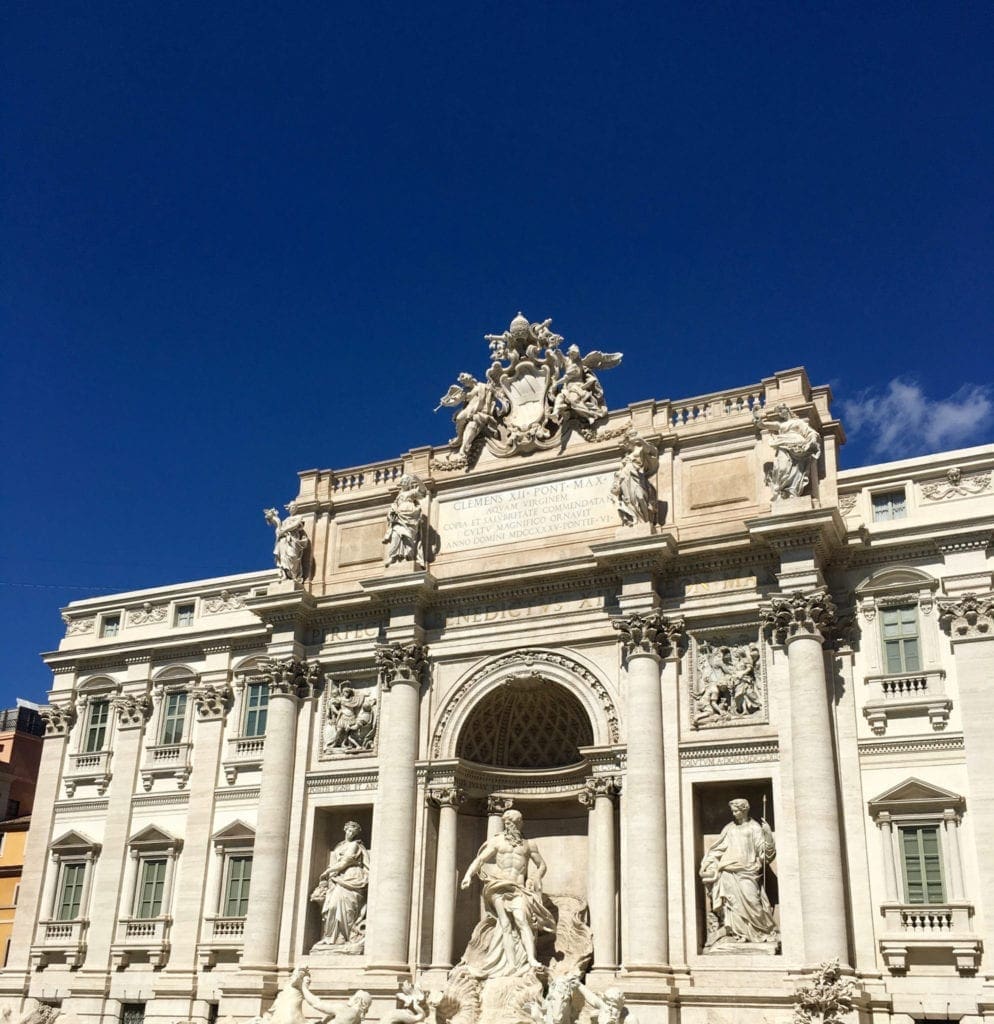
[{"x": 512, "y": 900}]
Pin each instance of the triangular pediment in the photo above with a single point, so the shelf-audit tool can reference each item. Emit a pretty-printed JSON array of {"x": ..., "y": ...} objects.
[
  {"x": 152, "y": 835},
  {"x": 236, "y": 832},
  {"x": 897, "y": 578},
  {"x": 73, "y": 841},
  {"x": 914, "y": 796}
]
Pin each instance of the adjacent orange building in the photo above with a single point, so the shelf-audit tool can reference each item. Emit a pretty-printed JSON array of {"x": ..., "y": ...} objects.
[{"x": 21, "y": 731}]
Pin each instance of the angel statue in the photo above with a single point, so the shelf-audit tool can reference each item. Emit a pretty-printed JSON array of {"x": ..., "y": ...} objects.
[
  {"x": 476, "y": 415},
  {"x": 292, "y": 543},
  {"x": 578, "y": 391},
  {"x": 631, "y": 487}
]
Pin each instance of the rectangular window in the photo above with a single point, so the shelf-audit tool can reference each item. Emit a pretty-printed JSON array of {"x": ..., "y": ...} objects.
[
  {"x": 184, "y": 615},
  {"x": 70, "y": 892},
  {"x": 132, "y": 1013},
  {"x": 236, "y": 890},
  {"x": 922, "y": 864},
  {"x": 96, "y": 727},
  {"x": 111, "y": 625},
  {"x": 153, "y": 878},
  {"x": 900, "y": 627},
  {"x": 174, "y": 718},
  {"x": 889, "y": 505},
  {"x": 256, "y": 707}
]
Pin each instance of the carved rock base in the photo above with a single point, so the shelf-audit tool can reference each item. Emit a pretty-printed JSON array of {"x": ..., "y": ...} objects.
[
  {"x": 731, "y": 946},
  {"x": 506, "y": 1000}
]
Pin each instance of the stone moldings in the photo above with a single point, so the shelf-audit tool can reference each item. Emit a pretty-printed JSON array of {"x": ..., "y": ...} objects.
[
  {"x": 58, "y": 719},
  {"x": 291, "y": 676},
  {"x": 956, "y": 485},
  {"x": 147, "y": 613},
  {"x": 557, "y": 668},
  {"x": 727, "y": 682},
  {"x": 532, "y": 396},
  {"x": 132, "y": 709}
]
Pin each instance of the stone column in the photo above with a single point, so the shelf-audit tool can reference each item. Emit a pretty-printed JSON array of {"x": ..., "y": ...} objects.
[
  {"x": 262, "y": 923},
  {"x": 401, "y": 669},
  {"x": 955, "y": 866},
  {"x": 211, "y": 697},
  {"x": 646, "y": 640},
  {"x": 447, "y": 799},
  {"x": 799, "y": 621},
  {"x": 969, "y": 620},
  {"x": 886, "y": 826},
  {"x": 598, "y": 797}
]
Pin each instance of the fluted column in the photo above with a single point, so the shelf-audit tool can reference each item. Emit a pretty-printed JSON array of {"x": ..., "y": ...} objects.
[
  {"x": 447, "y": 799},
  {"x": 285, "y": 679},
  {"x": 800, "y": 622},
  {"x": 645, "y": 640},
  {"x": 401, "y": 669},
  {"x": 598, "y": 797}
]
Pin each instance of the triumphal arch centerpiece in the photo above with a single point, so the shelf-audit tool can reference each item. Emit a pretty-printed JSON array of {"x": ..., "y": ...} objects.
[{"x": 587, "y": 714}]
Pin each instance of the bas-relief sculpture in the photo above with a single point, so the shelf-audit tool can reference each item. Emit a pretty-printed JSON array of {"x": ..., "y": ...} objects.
[
  {"x": 351, "y": 719},
  {"x": 341, "y": 891},
  {"x": 291, "y": 545},
  {"x": 827, "y": 999},
  {"x": 796, "y": 446},
  {"x": 524, "y": 939},
  {"x": 532, "y": 395},
  {"x": 734, "y": 873},
  {"x": 632, "y": 487},
  {"x": 727, "y": 691},
  {"x": 405, "y": 537}
]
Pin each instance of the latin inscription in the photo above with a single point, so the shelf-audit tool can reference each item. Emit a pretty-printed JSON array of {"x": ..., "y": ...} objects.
[{"x": 527, "y": 513}]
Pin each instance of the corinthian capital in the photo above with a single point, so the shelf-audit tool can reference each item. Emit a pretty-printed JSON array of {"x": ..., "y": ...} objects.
[
  {"x": 132, "y": 710},
  {"x": 290, "y": 676},
  {"x": 968, "y": 616},
  {"x": 401, "y": 663},
  {"x": 599, "y": 786},
  {"x": 211, "y": 700},
  {"x": 58, "y": 719},
  {"x": 651, "y": 633},
  {"x": 800, "y": 614},
  {"x": 445, "y": 796}
]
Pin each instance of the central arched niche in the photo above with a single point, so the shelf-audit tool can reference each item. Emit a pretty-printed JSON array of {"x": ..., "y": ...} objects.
[{"x": 526, "y": 723}]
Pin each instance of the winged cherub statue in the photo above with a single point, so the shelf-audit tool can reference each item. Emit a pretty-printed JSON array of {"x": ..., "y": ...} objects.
[
  {"x": 578, "y": 391},
  {"x": 476, "y": 413}
]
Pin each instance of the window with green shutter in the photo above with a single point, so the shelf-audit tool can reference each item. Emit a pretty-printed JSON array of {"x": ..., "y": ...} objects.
[
  {"x": 236, "y": 891},
  {"x": 922, "y": 864},
  {"x": 70, "y": 891},
  {"x": 153, "y": 879},
  {"x": 96, "y": 726},
  {"x": 256, "y": 709},
  {"x": 174, "y": 718},
  {"x": 900, "y": 634}
]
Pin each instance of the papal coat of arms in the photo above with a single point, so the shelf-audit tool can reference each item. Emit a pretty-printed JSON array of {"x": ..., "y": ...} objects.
[{"x": 532, "y": 395}]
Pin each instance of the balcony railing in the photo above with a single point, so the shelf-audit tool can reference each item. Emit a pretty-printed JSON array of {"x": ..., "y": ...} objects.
[
  {"x": 907, "y": 694},
  {"x": 63, "y": 941},
  {"x": 221, "y": 935},
  {"x": 167, "y": 760},
  {"x": 141, "y": 937},
  {"x": 244, "y": 753},
  {"x": 943, "y": 928}
]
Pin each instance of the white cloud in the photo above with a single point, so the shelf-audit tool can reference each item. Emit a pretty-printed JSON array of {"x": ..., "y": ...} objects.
[{"x": 902, "y": 420}]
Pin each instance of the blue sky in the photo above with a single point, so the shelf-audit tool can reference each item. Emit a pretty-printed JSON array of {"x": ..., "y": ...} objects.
[{"x": 243, "y": 239}]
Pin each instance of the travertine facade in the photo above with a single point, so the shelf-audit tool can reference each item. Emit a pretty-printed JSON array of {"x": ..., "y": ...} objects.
[{"x": 615, "y": 634}]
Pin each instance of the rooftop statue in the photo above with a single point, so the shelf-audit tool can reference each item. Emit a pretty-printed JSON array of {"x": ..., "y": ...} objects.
[
  {"x": 532, "y": 396},
  {"x": 292, "y": 543},
  {"x": 406, "y": 524},
  {"x": 796, "y": 446}
]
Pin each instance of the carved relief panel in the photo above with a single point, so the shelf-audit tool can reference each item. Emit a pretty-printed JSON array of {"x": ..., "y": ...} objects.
[
  {"x": 349, "y": 717},
  {"x": 727, "y": 679}
]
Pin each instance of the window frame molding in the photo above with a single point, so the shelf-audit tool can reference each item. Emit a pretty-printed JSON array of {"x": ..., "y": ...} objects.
[
  {"x": 223, "y": 934},
  {"x": 170, "y": 760}
]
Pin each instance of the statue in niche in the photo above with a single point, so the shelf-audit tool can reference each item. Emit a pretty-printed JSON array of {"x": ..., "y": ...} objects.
[
  {"x": 734, "y": 873},
  {"x": 406, "y": 524},
  {"x": 475, "y": 417},
  {"x": 341, "y": 891},
  {"x": 351, "y": 720},
  {"x": 292, "y": 543},
  {"x": 504, "y": 942},
  {"x": 729, "y": 684},
  {"x": 631, "y": 487},
  {"x": 796, "y": 445}
]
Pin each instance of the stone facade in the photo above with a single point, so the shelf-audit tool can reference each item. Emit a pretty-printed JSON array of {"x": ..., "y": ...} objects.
[{"x": 674, "y": 606}]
